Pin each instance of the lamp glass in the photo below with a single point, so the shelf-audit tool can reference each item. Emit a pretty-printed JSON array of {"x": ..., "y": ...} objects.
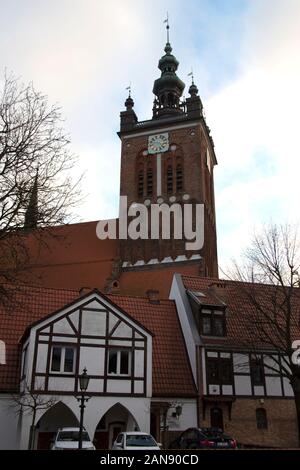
[{"x": 84, "y": 380}]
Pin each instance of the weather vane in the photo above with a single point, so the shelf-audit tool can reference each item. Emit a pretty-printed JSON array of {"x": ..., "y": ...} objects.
[
  {"x": 167, "y": 27},
  {"x": 129, "y": 89},
  {"x": 191, "y": 74}
]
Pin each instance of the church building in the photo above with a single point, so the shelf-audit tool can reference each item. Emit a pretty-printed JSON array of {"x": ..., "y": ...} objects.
[{"x": 160, "y": 335}]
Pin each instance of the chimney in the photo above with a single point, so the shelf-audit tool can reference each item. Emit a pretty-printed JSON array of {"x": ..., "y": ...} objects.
[
  {"x": 84, "y": 290},
  {"x": 153, "y": 296}
]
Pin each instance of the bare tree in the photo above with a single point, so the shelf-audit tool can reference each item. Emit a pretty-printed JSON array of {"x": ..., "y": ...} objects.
[
  {"x": 269, "y": 281},
  {"x": 28, "y": 402},
  {"x": 36, "y": 189}
]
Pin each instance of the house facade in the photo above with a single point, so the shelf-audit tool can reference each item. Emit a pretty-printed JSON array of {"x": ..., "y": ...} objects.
[
  {"x": 119, "y": 352},
  {"x": 242, "y": 384}
]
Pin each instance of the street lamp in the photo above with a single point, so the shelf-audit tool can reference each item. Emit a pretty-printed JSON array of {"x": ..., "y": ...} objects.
[{"x": 83, "y": 384}]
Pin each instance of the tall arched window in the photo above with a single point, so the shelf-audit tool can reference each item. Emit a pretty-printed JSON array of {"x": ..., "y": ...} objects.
[
  {"x": 149, "y": 181},
  {"x": 140, "y": 182},
  {"x": 261, "y": 418},
  {"x": 179, "y": 177},
  {"x": 169, "y": 179},
  {"x": 2, "y": 352}
]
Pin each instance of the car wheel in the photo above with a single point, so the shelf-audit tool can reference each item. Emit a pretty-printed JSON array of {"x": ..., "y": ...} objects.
[{"x": 193, "y": 446}]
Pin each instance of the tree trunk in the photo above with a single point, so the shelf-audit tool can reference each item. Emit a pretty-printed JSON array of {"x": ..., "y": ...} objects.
[
  {"x": 31, "y": 433},
  {"x": 296, "y": 389}
]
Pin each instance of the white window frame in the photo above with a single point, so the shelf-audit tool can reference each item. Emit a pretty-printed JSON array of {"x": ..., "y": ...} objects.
[
  {"x": 62, "y": 359},
  {"x": 24, "y": 361},
  {"x": 119, "y": 351}
]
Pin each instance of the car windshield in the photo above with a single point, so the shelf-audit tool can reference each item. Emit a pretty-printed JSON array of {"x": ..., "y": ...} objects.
[
  {"x": 72, "y": 436},
  {"x": 140, "y": 440}
]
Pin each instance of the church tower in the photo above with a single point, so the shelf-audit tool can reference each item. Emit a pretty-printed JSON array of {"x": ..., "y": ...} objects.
[{"x": 169, "y": 159}]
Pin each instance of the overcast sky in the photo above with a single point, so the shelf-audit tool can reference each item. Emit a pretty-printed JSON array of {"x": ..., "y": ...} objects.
[{"x": 246, "y": 62}]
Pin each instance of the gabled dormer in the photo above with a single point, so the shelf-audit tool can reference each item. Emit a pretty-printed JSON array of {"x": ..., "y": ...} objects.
[{"x": 209, "y": 313}]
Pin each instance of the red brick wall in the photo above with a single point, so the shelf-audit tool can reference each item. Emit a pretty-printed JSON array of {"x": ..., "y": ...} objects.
[
  {"x": 282, "y": 424},
  {"x": 198, "y": 183}
]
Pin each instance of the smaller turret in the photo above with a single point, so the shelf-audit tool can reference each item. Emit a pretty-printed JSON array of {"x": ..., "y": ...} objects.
[
  {"x": 128, "y": 117},
  {"x": 194, "y": 106}
]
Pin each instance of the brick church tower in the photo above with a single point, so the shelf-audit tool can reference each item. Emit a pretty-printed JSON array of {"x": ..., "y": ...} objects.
[{"x": 165, "y": 160}]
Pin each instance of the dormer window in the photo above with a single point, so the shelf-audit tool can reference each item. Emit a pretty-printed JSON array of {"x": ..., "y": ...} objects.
[{"x": 213, "y": 323}]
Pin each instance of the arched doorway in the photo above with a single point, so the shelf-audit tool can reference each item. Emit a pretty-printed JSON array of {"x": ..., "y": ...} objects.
[
  {"x": 114, "y": 421},
  {"x": 216, "y": 417},
  {"x": 56, "y": 417}
]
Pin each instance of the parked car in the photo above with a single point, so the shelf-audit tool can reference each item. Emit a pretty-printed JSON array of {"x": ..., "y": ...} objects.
[
  {"x": 203, "y": 438},
  {"x": 68, "y": 439},
  {"x": 135, "y": 441}
]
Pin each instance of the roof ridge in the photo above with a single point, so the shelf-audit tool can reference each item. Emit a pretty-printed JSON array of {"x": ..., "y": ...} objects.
[
  {"x": 36, "y": 286},
  {"x": 140, "y": 297},
  {"x": 232, "y": 281}
]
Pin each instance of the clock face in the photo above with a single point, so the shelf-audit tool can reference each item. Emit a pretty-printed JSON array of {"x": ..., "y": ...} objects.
[{"x": 158, "y": 143}]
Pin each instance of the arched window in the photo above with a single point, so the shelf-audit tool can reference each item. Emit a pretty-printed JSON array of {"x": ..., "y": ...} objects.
[
  {"x": 2, "y": 353},
  {"x": 261, "y": 418},
  {"x": 169, "y": 179},
  {"x": 179, "y": 177},
  {"x": 149, "y": 181},
  {"x": 140, "y": 183}
]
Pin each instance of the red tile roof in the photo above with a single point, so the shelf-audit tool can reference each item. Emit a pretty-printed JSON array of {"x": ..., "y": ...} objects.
[
  {"x": 72, "y": 257},
  {"x": 24, "y": 306},
  {"x": 69, "y": 257},
  {"x": 171, "y": 371},
  {"x": 241, "y": 313},
  {"x": 154, "y": 278}
]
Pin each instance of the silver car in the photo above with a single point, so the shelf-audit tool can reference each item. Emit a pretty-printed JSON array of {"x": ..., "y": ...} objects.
[
  {"x": 68, "y": 439},
  {"x": 135, "y": 441}
]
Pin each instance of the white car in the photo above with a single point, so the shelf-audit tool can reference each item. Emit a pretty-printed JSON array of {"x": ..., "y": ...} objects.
[
  {"x": 135, "y": 441},
  {"x": 68, "y": 439}
]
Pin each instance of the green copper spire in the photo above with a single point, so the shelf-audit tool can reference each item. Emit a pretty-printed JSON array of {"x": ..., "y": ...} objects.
[{"x": 168, "y": 88}]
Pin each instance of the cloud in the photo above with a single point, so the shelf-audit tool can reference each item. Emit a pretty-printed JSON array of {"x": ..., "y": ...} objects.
[
  {"x": 255, "y": 127},
  {"x": 245, "y": 56}
]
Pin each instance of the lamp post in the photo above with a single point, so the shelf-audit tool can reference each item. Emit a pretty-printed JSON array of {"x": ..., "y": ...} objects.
[{"x": 83, "y": 384}]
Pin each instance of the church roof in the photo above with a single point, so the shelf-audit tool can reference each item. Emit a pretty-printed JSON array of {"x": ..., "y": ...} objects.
[
  {"x": 72, "y": 257},
  {"x": 69, "y": 256}
]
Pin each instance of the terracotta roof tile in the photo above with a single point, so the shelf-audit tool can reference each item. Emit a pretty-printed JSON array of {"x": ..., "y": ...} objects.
[{"x": 240, "y": 312}]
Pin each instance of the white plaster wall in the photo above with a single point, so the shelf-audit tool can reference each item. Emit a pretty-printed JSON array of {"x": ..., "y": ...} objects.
[
  {"x": 93, "y": 359},
  {"x": 190, "y": 334},
  {"x": 63, "y": 326},
  {"x": 93, "y": 323},
  {"x": 242, "y": 385},
  {"x": 62, "y": 384},
  {"x": 118, "y": 386},
  {"x": 139, "y": 363},
  {"x": 9, "y": 435},
  {"x": 96, "y": 407},
  {"x": 273, "y": 386},
  {"x": 288, "y": 391},
  {"x": 187, "y": 419},
  {"x": 41, "y": 362}
]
